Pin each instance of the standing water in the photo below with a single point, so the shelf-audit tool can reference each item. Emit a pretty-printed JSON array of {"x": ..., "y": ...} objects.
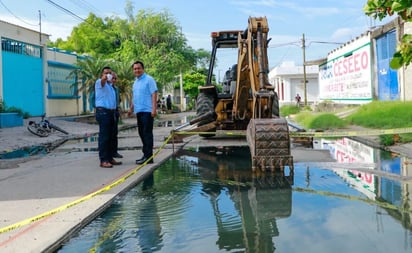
[{"x": 209, "y": 200}]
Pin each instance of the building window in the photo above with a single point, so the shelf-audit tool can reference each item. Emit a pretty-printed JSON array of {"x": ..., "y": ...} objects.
[
  {"x": 61, "y": 85},
  {"x": 17, "y": 47}
]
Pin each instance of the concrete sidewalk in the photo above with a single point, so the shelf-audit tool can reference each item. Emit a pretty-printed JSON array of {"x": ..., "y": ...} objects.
[{"x": 45, "y": 197}]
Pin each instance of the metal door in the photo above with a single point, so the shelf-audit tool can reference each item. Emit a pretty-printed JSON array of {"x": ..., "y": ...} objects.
[
  {"x": 388, "y": 86},
  {"x": 22, "y": 70}
]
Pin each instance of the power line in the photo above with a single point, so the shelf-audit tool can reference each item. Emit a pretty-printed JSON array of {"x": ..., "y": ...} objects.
[
  {"x": 71, "y": 13},
  {"x": 285, "y": 53},
  {"x": 5, "y": 7},
  {"x": 283, "y": 44},
  {"x": 85, "y": 5},
  {"x": 65, "y": 10},
  {"x": 326, "y": 42}
]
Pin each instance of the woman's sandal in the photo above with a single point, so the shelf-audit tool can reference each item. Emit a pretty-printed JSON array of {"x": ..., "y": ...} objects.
[{"x": 106, "y": 165}]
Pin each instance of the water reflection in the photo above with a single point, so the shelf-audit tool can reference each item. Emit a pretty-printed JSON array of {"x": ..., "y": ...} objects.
[
  {"x": 259, "y": 199},
  {"x": 208, "y": 200},
  {"x": 388, "y": 182},
  {"x": 149, "y": 232},
  {"x": 24, "y": 152},
  {"x": 259, "y": 205},
  {"x": 240, "y": 209},
  {"x": 171, "y": 123}
]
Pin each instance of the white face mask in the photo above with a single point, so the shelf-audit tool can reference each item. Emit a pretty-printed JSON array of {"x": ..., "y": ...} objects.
[{"x": 109, "y": 77}]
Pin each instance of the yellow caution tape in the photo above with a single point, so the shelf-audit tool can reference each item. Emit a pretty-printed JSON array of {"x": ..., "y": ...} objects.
[
  {"x": 355, "y": 198},
  {"x": 218, "y": 133},
  {"x": 368, "y": 132},
  {"x": 318, "y": 192},
  {"x": 78, "y": 201}
]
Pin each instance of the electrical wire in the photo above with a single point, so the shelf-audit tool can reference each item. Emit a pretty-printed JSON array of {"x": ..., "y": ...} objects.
[
  {"x": 71, "y": 13},
  {"x": 5, "y": 7},
  {"x": 85, "y": 6},
  {"x": 297, "y": 43},
  {"x": 65, "y": 10},
  {"x": 285, "y": 53}
]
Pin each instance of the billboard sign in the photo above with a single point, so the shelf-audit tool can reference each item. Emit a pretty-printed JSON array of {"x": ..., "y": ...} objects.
[{"x": 347, "y": 75}]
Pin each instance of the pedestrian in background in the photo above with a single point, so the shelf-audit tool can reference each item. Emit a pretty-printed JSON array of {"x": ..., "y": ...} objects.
[
  {"x": 144, "y": 107},
  {"x": 117, "y": 118},
  {"x": 105, "y": 97},
  {"x": 297, "y": 98},
  {"x": 169, "y": 103}
]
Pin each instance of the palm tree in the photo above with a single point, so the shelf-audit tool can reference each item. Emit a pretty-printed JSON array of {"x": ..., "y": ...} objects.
[
  {"x": 124, "y": 82},
  {"x": 88, "y": 69}
]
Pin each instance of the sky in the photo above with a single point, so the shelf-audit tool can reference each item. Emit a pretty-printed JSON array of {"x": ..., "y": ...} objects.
[{"x": 324, "y": 23}]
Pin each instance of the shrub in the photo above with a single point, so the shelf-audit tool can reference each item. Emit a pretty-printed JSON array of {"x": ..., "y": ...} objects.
[
  {"x": 4, "y": 108},
  {"x": 287, "y": 110},
  {"x": 323, "y": 121}
]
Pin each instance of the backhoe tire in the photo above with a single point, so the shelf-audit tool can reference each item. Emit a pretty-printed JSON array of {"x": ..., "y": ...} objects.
[{"x": 205, "y": 104}]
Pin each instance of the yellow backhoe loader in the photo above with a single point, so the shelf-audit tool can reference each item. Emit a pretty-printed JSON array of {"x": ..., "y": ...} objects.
[{"x": 247, "y": 101}]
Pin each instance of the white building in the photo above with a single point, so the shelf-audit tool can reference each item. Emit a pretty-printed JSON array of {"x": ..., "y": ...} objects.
[
  {"x": 356, "y": 72},
  {"x": 288, "y": 81},
  {"x": 37, "y": 79}
]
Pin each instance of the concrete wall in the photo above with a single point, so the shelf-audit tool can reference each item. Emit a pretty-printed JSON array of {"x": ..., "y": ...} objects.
[
  {"x": 57, "y": 55},
  {"x": 67, "y": 104},
  {"x": 22, "y": 34},
  {"x": 63, "y": 106},
  {"x": 19, "y": 33}
]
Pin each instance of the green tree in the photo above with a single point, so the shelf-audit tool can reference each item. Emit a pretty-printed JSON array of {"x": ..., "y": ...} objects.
[
  {"x": 159, "y": 43},
  {"x": 154, "y": 38},
  {"x": 380, "y": 9},
  {"x": 191, "y": 83},
  {"x": 94, "y": 36},
  {"x": 203, "y": 59},
  {"x": 125, "y": 78}
]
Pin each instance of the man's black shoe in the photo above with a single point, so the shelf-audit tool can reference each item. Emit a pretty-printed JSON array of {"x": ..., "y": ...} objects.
[
  {"x": 144, "y": 159},
  {"x": 140, "y": 159},
  {"x": 117, "y": 155}
]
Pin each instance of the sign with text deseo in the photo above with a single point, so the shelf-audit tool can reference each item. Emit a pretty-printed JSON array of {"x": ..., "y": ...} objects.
[{"x": 347, "y": 77}]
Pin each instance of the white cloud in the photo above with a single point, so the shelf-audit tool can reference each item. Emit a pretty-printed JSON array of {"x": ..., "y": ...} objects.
[
  {"x": 345, "y": 34},
  {"x": 199, "y": 40},
  {"x": 61, "y": 30}
]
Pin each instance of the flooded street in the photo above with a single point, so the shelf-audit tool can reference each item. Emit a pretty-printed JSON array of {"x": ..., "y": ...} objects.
[{"x": 208, "y": 200}]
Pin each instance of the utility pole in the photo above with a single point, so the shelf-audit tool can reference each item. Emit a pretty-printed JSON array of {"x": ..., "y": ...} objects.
[
  {"x": 40, "y": 26},
  {"x": 305, "y": 98},
  {"x": 181, "y": 92}
]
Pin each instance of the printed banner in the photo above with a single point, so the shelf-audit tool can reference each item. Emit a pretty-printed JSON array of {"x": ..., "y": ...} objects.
[{"x": 347, "y": 77}]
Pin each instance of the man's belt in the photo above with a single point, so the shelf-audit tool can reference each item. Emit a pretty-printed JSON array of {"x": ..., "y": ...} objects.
[{"x": 105, "y": 109}]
